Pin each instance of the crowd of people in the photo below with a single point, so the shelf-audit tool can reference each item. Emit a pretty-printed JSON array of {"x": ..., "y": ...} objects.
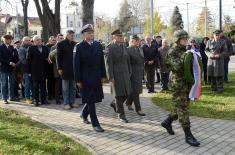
[{"x": 63, "y": 69}]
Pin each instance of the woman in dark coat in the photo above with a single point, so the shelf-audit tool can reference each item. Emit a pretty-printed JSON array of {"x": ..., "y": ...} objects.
[
  {"x": 204, "y": 57},
  {"x": 89, "y": 72},
  {"x": 137, "y": 65}
]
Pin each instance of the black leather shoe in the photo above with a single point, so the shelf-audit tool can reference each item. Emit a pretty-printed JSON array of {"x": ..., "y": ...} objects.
[
  {"x": 113, "y": 106},
  {"x": 58, "y": 102},
  {"x": 141, "y": 113},
  {"x": 130, "y": 108},
  {"x": 167, "y": 125},
  {"x": 85, "y": 120},
  {"x": 190, "y": 139},
  {"x": 46, "y": 102},
  {"x": 36, "y": 104},
  {"x": 98, "y": 129},
  {"x": 158, "y": 81},
  {"x": 5, "y": 102},
  {"x": 124, "y": 120},
  {"x": 15, "y": 99}
]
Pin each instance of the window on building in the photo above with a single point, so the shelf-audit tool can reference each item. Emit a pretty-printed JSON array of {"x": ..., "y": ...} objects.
[{"x": 70, "y": 23}]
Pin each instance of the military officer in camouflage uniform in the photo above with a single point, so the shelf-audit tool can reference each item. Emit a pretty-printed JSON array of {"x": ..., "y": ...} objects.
[
  {"x": 119, "y": 71},
  {"x": 217, "y": 50},
  {"x": 181, "y": 89}
]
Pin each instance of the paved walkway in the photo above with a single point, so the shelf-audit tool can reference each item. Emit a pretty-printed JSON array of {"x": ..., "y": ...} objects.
[{"x": 142, "y": 136}]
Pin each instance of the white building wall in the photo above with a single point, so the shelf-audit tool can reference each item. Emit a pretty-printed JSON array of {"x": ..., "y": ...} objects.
[{"x": 71, "y": 19}]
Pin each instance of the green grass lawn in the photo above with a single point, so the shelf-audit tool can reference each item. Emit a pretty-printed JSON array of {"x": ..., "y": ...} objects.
[
  {"x": 211, "y": 104},
  {"x": 19, "y": 135}
]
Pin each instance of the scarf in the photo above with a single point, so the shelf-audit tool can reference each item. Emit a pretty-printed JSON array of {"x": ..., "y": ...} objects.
[{"x": 195, "y": 91}]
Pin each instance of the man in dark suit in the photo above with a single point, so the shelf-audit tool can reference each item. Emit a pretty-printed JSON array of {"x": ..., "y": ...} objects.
[
  {"x": 37, "y": 60},
  {"x": 150, "y": 52},
  {"x": 157, "y": 41},
  {"x": 8, "y": 59},
  {"x": 89, "y": 72},
  {"x": 65, "y": 53}
]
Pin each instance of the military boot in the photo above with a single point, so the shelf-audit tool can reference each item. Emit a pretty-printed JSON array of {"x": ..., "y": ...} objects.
[
  {"x": 189, "y": 138},
  {"x": 167, "y": 125}
]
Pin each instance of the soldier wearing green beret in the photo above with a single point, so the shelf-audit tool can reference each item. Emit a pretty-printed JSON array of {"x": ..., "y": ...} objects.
[{"x": 181, "y": 88}]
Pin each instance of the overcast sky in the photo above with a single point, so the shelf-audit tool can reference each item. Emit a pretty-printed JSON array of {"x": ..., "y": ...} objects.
[{"x": 165, "y": 7}]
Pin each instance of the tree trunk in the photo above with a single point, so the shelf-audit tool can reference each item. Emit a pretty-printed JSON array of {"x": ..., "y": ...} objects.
[
  {"x": 50, "y": 21},
  {"x": 87, "y": 9},
  {"x": 25, "y": 11}
]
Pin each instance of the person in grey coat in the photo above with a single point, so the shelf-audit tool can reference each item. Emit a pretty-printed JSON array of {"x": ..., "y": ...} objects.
[
  {"x": 137, "y": 65},
  {"x": 163, "y": 69},
  {"x": 118, "y": 72},
  {"x": 217, "y": 49},
  {"x": 28, "y": 84}
]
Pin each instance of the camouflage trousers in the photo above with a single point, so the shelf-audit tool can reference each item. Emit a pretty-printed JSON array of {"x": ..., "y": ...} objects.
[
  {"x": 181, "y": 107},
  {"x": 217, "y": 83}
]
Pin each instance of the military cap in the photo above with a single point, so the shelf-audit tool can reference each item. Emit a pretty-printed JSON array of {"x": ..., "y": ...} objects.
[
  {"x": 17, "y": 41},
  {"x": 216, "y": 32},
  {"x": 8, "y": 36},
  {"x": 116, "y": 32},
  {"x": 179, "y": 34},
  {"x": 135, "y": 37},
  {"x": 158, "y": 36},
  {"x": 69, "y": 31},
  {"x": 87, "y": 28}
]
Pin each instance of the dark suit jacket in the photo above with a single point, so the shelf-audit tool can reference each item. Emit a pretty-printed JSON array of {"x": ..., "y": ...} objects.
[
  {"x": 65, "y": 59},
  {"x": 8, "y": 55},
  {"x": 37, "y": 62},
  {"x": 150, "y": 54}
]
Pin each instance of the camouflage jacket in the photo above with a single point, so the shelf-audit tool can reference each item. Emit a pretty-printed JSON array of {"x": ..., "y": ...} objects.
[{"x": 175, "y": 64}]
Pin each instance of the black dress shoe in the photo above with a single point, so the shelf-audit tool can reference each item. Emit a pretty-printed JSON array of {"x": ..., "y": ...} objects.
[
  {"x": 15, "y": 99},
  {"x": 50, "y": 98},
  {"x": 98, "y": 129},
  {"x": 5, "y": 102},
  {"x": 113, "y": 106},
  {"x": 85, "y": 120},
  {"x": 141, "y": 114},
  {"x": 58, "y": 102},
  {"x": 46, "y": 102},
  {"x": 36, "y": 104},
  {"x": 130, "y": 108},
  {"x": 124, "y": 120}
]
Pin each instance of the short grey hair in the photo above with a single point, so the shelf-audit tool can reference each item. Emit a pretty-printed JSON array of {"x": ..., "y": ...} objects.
[
  {"x": 36, "y": 37},
  {"x": 164, "y": 40},
  {"x": 26, "y": 37}
]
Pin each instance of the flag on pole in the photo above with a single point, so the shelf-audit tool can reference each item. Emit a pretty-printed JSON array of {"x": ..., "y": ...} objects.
[{"x": 29, "y": 23}]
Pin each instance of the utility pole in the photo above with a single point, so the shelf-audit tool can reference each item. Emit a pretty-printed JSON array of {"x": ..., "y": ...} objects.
[
  {"x": 151, "y": 17},
  {"x": 205, "y": 18},
  {"x": 17, "y": 35},
  {"x": 187, "y": 18},
  {"x": 220, "y": 14}
]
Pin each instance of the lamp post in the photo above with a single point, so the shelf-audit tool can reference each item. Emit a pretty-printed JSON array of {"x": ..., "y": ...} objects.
[{"x": 151, "y": 17}]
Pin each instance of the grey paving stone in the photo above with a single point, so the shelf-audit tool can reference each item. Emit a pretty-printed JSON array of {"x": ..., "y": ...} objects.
[{"x": 142, "y": 136}]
